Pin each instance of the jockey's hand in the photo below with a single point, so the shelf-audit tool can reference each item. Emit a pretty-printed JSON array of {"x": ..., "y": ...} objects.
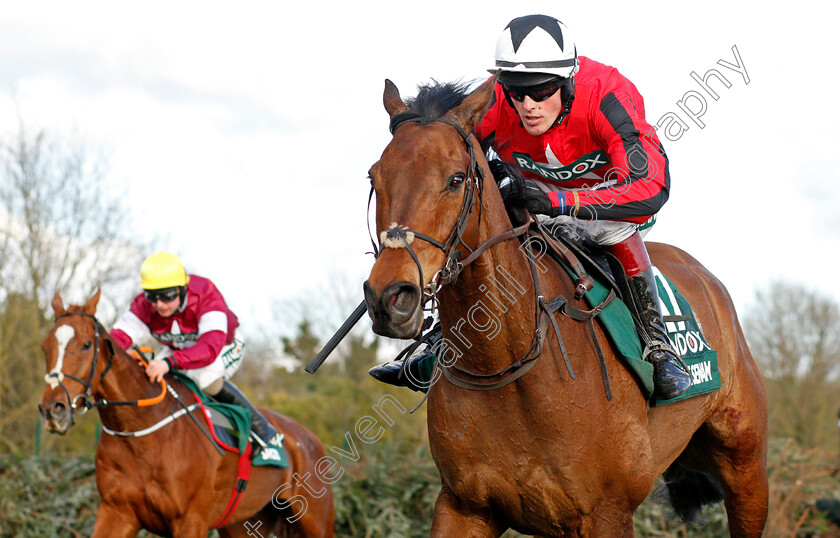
[
  {"x": 536, "y": 201},
  {"x": 156, "y": 370},
  {"x": 509, "y": 182}
]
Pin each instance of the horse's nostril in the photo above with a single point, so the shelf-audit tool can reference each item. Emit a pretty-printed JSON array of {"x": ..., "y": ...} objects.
[
  {"x": 401, "y": 301},
  {"x": 370, "y": 298},
  {"x": 58, "y": 411},
  {"x": 404, "y": 299}
]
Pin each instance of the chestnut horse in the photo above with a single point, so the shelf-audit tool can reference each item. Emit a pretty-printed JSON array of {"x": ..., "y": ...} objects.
[
  {"x": 172, "y": 481},
  {"x": 540, "y": 452}
]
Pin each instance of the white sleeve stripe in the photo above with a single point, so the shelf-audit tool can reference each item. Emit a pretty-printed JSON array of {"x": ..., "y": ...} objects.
[
  {"x": 131, "y": 325},
  {"x": 212, "y": 321}
]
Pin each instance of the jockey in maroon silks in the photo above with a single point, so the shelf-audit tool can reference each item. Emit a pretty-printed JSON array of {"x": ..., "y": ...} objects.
[
  {"x": 189, "y": 317},
  {"x": 573, "y": 146}
]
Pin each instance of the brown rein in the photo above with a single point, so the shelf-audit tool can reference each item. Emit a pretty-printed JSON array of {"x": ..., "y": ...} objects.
[{"x": 398, "y": 236}]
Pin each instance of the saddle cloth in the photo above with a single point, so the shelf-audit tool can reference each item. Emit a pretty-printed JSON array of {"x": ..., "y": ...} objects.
[
  {"x": 684, "y": 334},
  {"x": 231, "y": 428}
]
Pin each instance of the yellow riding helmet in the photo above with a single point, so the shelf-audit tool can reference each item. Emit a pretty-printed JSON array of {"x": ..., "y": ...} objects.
[{"x": 162, "y": 270}]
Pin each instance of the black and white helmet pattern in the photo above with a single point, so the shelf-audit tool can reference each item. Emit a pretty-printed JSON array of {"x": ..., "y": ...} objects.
[{"x": 537, "y": 44}]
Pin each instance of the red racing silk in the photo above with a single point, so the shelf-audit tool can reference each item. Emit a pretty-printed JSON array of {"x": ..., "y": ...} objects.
[
  {"x": 197, "y": 332},
  {"x": 604, "y": 158}
]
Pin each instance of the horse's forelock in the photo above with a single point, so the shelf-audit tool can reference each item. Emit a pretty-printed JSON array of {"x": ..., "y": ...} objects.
[{"x": 434, "y": 99}]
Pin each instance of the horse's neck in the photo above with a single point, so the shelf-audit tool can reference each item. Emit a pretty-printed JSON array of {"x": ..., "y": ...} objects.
[
  {"x": 490, "y": 312},
  {"x": 127, "y": 381}
]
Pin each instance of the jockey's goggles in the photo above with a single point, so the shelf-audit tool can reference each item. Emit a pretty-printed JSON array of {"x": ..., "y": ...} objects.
[
  {"x": 537, "y": 93},
  {"x": 165, "y": 296}
]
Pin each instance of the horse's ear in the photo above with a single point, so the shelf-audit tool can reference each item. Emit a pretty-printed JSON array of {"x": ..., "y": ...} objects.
[
  {"x": 470, "y": 111},
  {"x": 90, "y": 306},
  {"x": 393, "y": 102},
  {"x": 58, "y": 305}
]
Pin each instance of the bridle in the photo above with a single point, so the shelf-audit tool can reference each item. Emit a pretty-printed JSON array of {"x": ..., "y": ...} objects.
[
  {"x": 57, "y": 378},
  {"x": 84, "y": 401},
  {"x": 400, "y": 236}
]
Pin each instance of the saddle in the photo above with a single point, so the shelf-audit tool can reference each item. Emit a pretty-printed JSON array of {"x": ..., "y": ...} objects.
[
  {"x": 230, "y": 424},
  {"x": 582, "y": 256},
  {"x": 595, "y": 270}
]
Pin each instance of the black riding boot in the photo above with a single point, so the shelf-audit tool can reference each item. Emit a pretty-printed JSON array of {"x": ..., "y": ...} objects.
[
  {"x": 670, "y": 377},
  {"x": 392, "y": 372},
  {"x": 230, "y": 394}
]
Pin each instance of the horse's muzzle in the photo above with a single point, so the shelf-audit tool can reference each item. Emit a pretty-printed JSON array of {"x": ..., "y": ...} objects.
[
  {"x": 397, "y": 312},
  {"x": 57, "y": 416}
]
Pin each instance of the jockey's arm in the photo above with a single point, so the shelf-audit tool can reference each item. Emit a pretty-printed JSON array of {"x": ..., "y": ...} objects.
[
  {"x": 202, "y": 353},
  {"x": 639, "y": 171}
]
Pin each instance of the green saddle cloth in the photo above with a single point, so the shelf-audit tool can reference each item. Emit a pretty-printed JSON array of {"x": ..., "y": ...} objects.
[
  {"x": 273, "y": 455},
  {"x": 685, "y": 337}
]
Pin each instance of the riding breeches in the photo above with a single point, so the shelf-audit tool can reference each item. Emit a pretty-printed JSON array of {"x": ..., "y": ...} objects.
[
  {"x": 602, "y": 232},
  {"x": 226, "y": 364}
]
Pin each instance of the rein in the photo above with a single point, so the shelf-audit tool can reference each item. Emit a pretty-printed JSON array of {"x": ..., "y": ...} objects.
[
  {"x": 543, "y": 315},
  {"x": 398, "y": 236},
  {"x": 57, "y": 378}
]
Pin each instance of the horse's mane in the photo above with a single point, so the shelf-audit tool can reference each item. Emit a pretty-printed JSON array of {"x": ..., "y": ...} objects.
[{"x": 435, "y": 98}]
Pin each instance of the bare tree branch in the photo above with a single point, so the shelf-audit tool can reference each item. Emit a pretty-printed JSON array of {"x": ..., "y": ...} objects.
[
  {"x": 61, "y": 229},
  {"x": 794, "y": 334}
]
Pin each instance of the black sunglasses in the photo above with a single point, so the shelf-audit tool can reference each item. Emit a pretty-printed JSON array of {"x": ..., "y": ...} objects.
[
  {"x": 538, "y": 93},
  {"x": 166, "y": 296}
]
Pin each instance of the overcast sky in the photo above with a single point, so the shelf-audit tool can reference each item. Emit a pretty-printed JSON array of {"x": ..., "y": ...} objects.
[{"x": 244, "y": 131}]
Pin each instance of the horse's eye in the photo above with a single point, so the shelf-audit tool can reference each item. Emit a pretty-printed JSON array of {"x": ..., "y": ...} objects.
[
  {"x": 455, "y": 182},
  {"x": 87, "y": 345}
]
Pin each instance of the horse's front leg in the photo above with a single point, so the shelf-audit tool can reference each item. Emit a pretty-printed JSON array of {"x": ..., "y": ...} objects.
[
  {"x": 453, "y": 518},
  {"x": 193, "y": 525},
  {"x": 115, "y": 523}
]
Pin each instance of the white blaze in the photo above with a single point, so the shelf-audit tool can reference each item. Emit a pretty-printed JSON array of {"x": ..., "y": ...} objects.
[{"x": 63, "y": 335}]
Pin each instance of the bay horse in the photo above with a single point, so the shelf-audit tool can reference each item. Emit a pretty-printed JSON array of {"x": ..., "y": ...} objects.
[
  {"x": 172, "y": 481},
  {"x": 540, "y": 452}
]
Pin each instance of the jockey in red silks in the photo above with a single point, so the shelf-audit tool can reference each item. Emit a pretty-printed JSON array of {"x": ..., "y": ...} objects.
[
  {"x": 188, "y": 316},
  {"x": 573, "y": 146}
]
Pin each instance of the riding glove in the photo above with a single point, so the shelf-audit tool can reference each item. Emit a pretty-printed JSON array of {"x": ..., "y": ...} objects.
[
  {"x": 509, "y": 182},
  {"x": 536, "y": 201},
  {"x": 517, "y": 192}
]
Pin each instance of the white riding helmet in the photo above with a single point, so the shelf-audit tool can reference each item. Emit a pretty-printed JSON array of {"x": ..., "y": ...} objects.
[{"x": 536, "y": 44}]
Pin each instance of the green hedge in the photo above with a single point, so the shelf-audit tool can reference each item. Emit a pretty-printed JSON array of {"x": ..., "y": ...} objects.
[{"x": 390, "y": 492}]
